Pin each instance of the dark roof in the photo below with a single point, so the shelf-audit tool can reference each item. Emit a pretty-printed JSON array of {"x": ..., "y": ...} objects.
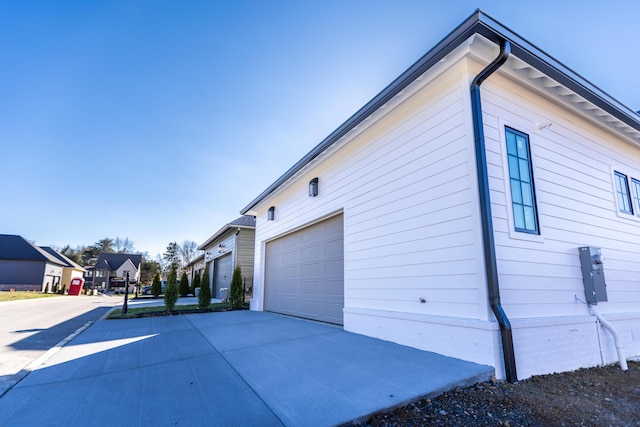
[
  {"x": 17, "y": 248},
  {"x": 477, "y": 23},
  {"x": 245, "y": 221},
  {"x": 108, "y": 261},
  {"x": 68, "y": 262}
]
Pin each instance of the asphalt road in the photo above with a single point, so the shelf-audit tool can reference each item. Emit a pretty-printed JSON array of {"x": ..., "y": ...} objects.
[{"x": 29, "y": 328}]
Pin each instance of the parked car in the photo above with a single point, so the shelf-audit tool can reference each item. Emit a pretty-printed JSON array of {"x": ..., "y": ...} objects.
[{"x": 146, "y": 290}]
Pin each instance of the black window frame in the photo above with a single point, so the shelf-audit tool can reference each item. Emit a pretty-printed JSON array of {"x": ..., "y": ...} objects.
[
  {"x": 623, "y": 193},
  {"x": 531, "y": 183}
]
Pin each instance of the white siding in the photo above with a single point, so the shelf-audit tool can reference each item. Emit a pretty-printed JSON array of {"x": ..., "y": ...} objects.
[
  {"x": 404, "y": 187},
  {"x": 540, "y": 276},
  {"x": 572, "y": 165},
  {"x": 414, "y": 274}
]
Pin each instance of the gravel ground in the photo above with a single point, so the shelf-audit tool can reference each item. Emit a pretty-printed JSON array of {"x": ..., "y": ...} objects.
[{"x": 604, "y": 396}]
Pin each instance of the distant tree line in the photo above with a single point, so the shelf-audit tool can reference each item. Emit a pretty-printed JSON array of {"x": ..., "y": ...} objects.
[{"x": 175, "y": 257}]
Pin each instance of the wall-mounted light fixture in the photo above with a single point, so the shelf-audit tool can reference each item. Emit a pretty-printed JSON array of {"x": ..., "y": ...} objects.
[
  {"x": 271, "y": 213},
  {"x": 221, "y": 248},
  {"x": 313, "y": 187}
]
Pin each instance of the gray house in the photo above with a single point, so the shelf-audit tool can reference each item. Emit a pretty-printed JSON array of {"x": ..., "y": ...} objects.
[
  {"x": 25, "y": 266},
  {"x": 232, "y": 245},
  {"x": 110, "y": 270}
]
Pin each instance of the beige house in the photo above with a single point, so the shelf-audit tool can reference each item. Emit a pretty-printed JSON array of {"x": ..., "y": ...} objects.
[{"x": 232, "y": 245}]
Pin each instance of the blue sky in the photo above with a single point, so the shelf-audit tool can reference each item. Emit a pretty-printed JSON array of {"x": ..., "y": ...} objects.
[{"x": 159, "y": 120}]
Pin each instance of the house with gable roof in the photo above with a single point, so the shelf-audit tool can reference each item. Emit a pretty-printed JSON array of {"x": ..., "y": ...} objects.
[
  {"x": 25, "y": 266},
  {"x": 109, "y": 272},
  {"x": 232, "y": 245},
  {"x": 449, "y": 212},
  {"x": 70, "y": 270}
]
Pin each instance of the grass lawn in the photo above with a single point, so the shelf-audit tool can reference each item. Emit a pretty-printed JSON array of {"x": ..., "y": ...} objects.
[
  {"x": 161, "y": 310},
  {"x": 13, "y": 296}
]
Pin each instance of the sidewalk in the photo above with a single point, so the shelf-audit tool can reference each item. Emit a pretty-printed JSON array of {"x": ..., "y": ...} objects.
[{"x": 233, "y": 368}]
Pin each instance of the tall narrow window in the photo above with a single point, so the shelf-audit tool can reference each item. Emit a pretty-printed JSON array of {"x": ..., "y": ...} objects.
[
  {"x": 523, "y": 198},
  {"x": 622, "y": 189},
  {"x": 635, "y": 194}
]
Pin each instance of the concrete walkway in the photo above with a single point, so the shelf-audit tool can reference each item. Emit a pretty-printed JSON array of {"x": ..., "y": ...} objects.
[{"x": 233, "y": 369}]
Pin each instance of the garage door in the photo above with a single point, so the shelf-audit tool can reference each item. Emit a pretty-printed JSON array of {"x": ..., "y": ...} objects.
[
  {"x": 223, "y": 273},
  {"x": 305, "y": 272}
]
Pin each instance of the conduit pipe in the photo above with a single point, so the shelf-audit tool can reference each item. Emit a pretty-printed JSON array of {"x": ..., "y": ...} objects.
[
  {"x": 616, "y": 336},
  {"x": 485, "y": 214}
]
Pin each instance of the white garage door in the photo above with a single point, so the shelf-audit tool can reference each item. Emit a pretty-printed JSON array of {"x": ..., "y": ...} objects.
[
  {"x": 305, "y": 272},
  {"x": 223, "y": 275}
]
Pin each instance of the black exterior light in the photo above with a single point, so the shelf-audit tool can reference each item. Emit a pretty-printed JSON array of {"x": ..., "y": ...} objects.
[
  {"x": 271, "y": 213},
  {"x": 313, "y": 187}
]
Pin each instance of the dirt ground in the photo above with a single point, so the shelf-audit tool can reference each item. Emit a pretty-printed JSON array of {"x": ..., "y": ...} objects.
[{"x": 604, "y": 396}]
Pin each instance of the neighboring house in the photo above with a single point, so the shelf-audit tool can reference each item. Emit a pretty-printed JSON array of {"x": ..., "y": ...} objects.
[
  {"x": 232, "y": 245},
  {"x": 70, "y": 269},
  {"x": 110, "y": 270},
  {"x": 25, "y": 266},
  {"x": 440, "y": 222},
  {"x": 195, "y": 266}
]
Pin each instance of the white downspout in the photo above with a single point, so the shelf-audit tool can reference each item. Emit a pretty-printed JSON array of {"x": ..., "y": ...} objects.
[{"x": 616, "y": 336}]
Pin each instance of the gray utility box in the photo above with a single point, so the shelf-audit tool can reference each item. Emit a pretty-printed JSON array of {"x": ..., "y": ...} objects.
[{"x": 595, "y": 288}]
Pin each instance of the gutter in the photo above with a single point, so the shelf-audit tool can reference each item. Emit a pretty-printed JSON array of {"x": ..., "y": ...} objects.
[{"x": 491, "y": 267}]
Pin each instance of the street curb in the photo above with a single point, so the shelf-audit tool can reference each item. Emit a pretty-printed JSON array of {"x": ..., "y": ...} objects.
[{"x": 44, "y": 357}]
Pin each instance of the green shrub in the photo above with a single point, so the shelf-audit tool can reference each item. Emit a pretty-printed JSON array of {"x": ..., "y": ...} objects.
[
  {"x": 195, "y": 283},
  {"x": 204, "y": 298},
  {"x": 156, "y": 286},
  {"x": 171, "y": 290},
  {"x": 237, "y": 289},
  {"x": 184, "y": 285}
]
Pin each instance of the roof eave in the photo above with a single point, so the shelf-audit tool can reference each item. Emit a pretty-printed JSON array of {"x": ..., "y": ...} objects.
[{"x": 477, "y": 23}]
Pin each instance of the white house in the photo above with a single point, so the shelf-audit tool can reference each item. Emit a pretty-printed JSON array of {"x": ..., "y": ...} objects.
[{"x": 447, "y": 214}]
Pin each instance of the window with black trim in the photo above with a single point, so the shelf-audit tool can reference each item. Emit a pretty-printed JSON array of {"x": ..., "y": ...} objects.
[
  {"x": 635, "y": 194},
  {"x": 523, "y": 201},
  {"x": 622, "y": 191}
]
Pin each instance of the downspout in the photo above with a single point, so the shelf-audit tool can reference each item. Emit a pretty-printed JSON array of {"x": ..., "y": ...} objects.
[
  {"x": 616, "y": 336},
  {"x": 485, "y": 213}
]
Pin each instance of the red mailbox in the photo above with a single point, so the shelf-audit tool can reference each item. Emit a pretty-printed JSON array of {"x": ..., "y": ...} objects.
[{"x": 75, "y": 287}]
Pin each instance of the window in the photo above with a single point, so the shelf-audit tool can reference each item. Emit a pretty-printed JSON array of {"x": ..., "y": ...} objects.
[
  {"x": 635, "y": 194},
  {"x": 622, "y": 190},
  {"x": 523, "y": 200}
]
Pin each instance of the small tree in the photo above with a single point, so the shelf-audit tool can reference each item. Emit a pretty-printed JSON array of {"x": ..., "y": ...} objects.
[
  {"x": 171, "y": 290},
  {"x": 156, "y": 286},
  {"x": 236, "y": 291},
  {"x": 204, "y": 297},
  {"x": 184, "y": 285},
  {"x": 195, "y": 283}
]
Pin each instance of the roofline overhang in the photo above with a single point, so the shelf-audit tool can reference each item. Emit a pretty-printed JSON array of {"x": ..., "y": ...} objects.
[
  {"x": 482, "y": 24},
  {"x": 221, "y": 232}
]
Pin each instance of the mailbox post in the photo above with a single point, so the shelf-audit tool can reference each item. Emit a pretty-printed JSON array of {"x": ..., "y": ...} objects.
[{"x": 125, "y": 307}]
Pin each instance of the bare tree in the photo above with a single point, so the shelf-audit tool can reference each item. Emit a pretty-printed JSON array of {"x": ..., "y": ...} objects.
[
  {"x": 188, "y": 251},
  {"x": 164, "y": 265},
  {"x": 123, "y": 246}
]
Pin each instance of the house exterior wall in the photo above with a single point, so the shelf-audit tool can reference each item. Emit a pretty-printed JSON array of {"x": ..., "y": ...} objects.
[
  {"x": 21, "y": 275},
  {"x": 406, "y": 185},
  {"x": 245, "y": 244},
  {"x": 52, "y": 276},
  {"x": 212, "y": 253},
  {"x": 540, "y": 276},
  {"x": 405, "y": 181},
  {"x": 69, "y": 273}
]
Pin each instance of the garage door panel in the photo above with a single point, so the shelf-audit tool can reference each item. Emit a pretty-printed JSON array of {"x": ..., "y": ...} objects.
[{"x": 305, "y": 272}]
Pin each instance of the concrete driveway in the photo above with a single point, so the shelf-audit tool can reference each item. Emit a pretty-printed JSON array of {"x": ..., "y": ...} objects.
[
  {"x": 234, "y": 369},
  {"x": 29, "y": 328}
]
